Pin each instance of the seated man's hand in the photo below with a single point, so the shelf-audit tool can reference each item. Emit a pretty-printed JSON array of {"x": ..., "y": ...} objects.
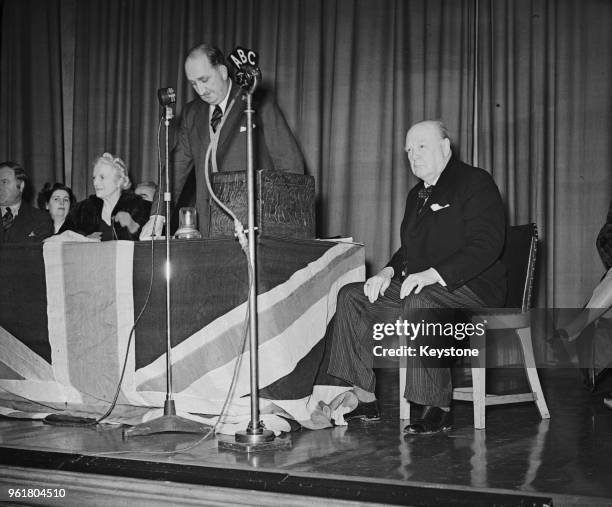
[
  {"x": 153, "y": 227},
  {"x": 416, "y": 281},
  {"x": 125, "y": 220},
  {"x": 377, "y": 285}
]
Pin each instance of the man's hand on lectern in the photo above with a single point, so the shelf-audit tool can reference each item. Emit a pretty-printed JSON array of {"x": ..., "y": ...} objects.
[{"x": 153, "y": 227}]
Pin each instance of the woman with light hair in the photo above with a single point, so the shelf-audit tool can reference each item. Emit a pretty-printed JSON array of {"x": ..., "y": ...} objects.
[{"x": 114, "y": 212}]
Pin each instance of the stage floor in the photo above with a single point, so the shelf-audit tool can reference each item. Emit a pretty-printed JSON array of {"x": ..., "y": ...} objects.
[{"x": 567, "y": 458}]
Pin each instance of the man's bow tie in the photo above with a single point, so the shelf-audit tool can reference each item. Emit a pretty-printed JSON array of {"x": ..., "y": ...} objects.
[
  {"x": 425, "y": 192},
  {"x": 423, "y": 195}
]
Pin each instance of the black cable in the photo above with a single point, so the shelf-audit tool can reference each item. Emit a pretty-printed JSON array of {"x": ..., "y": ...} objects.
[
  {"x": 142, "y": 310},
  {"x": 251, "y": 280},
  {"x": 150, "y": 288},
  {"x": 251, "y": 277}
]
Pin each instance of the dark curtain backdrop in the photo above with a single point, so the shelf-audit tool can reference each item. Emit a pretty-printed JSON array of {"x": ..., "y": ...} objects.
[{"x": 524, "y": 86}]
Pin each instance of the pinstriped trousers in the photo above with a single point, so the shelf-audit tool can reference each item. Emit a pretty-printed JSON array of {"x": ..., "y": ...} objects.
[{"x": 428, "y": 380}]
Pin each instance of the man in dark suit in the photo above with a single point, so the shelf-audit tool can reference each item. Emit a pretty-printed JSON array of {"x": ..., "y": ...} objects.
[
  {"x": 218, "y": 115},
  {"x": 21, "y": 223},
  {"x": 452, "y": 236}
]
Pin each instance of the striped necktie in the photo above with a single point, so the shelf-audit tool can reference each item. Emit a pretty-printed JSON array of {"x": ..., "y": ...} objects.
[
  {"x": 216, "y": 118},
  {"x": 7, "y": 219}
]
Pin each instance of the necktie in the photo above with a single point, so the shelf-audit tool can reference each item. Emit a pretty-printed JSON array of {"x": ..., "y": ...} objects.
[
  {"x": 423, "y": 195},
  {"x": 7, "y": 219},
  {"x": 216, "y": 118}
]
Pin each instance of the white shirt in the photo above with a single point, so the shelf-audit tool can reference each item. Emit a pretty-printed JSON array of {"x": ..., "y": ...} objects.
[
  {"x": 222, "y": 104},
  {"x": 14, "y": 209}
]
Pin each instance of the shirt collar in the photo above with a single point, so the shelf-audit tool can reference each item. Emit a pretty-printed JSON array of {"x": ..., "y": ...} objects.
[
  {"x": 14, "y": 209},
  {"x": 427, "y": 185},
  {"x": 223, "y": 103}
]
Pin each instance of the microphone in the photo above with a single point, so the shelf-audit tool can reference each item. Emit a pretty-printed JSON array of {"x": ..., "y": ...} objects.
[
  {"x": 247, "y": 72},
  {"x": 167, "y": 98}
]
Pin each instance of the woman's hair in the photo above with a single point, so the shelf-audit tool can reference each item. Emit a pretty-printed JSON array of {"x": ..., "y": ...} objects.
[
  {"x": 119, "y": 166},
  {"x": 44, "y": 196}
]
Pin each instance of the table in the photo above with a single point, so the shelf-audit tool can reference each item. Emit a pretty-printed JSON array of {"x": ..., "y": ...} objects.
[{"x": 67, "y": 310}]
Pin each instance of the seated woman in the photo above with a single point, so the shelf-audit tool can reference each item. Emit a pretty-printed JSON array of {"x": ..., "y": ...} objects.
[
  {"x": 57, "y": 200},
  {"x": 114, "y": 212}
]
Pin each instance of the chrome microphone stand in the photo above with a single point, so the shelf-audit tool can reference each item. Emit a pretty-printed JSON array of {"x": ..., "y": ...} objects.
[
  {"x": 169, "y": 422},
  {"x": 255, "y": 437}
]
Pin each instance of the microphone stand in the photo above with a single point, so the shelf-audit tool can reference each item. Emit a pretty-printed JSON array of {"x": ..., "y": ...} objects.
[
  {"x": 169, "y": 422},
  {"x": 255, "y": 437}
]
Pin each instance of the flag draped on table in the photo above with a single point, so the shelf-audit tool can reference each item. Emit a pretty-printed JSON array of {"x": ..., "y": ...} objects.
[{"x": 64, "y": 334}]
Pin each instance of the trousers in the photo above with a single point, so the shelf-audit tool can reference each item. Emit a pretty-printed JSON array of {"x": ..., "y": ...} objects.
[{"x": 428, "y": 380}]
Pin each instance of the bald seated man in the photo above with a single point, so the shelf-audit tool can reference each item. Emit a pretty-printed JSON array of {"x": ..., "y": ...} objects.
[
  {"x": 452, "y": 236},
  {"x": 218, "y": 113}
]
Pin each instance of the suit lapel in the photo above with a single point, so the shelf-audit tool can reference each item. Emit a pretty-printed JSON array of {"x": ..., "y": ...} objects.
[
  {"x": 231, "y": 124},
  {"x": 412, "y": 205},
  {"x": 202, "y": 115},
  {"x": 441, "y": 190},
  {"x": 18, "y": 229}
]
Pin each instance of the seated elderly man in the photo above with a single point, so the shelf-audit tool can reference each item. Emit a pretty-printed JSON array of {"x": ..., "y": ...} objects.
[
  {"x": 452, "y": 236},
  {"x": 20, "y": 222}
]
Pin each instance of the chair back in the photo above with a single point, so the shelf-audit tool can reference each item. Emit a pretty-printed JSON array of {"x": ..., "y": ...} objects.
[{"x": 519, "y": 256}]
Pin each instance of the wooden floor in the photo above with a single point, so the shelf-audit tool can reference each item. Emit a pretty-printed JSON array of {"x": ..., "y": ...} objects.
[{"x": 518, "y": 460}]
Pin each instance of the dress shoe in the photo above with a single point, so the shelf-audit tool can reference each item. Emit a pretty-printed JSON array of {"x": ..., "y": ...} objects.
[
  {"x": 366, "y": 412},
  {"x": 432, "y": 420},
  {"x": 556, "y": 342}
]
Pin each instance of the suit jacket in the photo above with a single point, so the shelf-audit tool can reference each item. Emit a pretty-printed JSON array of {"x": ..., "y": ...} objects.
[
  {"x": 86, "y": 216},
  {"x": 604, "y": 241},
  {"x": 68, "y": 225},
  {"x": 31, "y": 225},
  {"x": 273, "y": 144},
  {"x": 463, "y": 239}
]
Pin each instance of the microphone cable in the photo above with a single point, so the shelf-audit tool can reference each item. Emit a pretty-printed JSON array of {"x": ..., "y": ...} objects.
[
  {"x": 239, "y": 231},
  {"x": 79, "y": 421},
  {"x": 149, "y": 288},
  {"x": 240, "y": 234}
]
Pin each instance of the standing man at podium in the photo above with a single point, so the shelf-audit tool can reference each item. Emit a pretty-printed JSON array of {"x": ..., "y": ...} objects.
[{"x": 219, "y": 112}]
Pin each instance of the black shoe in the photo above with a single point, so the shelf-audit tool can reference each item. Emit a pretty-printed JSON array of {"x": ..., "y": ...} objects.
[
  {"x": 556, "y": 342},
  {"x": 433, "y": 420},
  {"x": 365, "y": 412}
]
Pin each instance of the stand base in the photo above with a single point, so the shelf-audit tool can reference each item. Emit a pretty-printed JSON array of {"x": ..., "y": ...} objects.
[
  {"x": 166, "y": 424},
  {"x": 68, "y": 420},
  {"x": 244, "y": 442}
]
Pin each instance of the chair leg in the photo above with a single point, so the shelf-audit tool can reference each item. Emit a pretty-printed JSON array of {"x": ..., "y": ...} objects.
[
  {"x": 479, "y": 375},
  {"x": 532, "y": 373},
  {"x": 404, "y": 405}
]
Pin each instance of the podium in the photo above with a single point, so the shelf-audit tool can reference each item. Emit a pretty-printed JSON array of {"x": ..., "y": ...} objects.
[{"x": 285, "y": 204}]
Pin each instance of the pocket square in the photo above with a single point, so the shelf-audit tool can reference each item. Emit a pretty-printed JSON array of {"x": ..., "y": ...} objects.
[
  {"x": 32, "y": 234},
  {"x": 436, "y": 207}
]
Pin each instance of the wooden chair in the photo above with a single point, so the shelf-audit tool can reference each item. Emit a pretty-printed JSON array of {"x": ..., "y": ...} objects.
[{"x": 520, "y": 258}]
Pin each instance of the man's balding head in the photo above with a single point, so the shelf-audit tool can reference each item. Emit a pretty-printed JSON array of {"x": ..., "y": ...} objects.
[
  {"x": 428, "y": 148},
  {"x": 207, "y": 73}
]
